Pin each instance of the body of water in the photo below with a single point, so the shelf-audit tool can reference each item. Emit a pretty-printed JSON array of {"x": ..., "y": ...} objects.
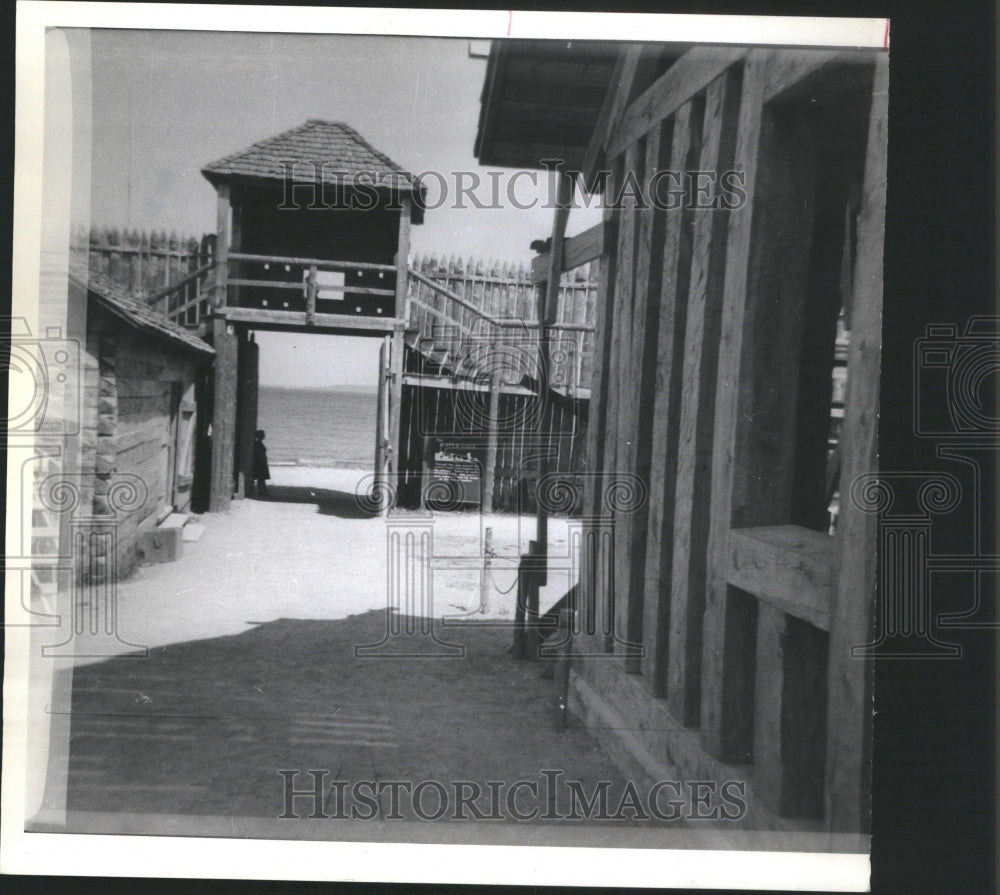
[{"x": 319, "y": 427}]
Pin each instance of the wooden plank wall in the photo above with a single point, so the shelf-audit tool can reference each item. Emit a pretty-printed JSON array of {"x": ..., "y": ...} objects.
[{"x": 695, "y": 375}]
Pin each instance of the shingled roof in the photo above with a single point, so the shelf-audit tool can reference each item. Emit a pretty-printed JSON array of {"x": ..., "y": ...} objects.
[
  {"x": 132, "y": 310},
  {"x": 331, "y": 148}
]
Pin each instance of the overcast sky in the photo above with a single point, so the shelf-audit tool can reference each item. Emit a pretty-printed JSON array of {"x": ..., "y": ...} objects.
[{"x": 165, "y": 103}]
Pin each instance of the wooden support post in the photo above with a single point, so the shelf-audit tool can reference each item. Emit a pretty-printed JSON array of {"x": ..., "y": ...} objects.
[
  {"x": 692, "y": 497},
  {"x": 311, "y": 290},
  {"x": 484, "y": 578},
  {"x": 620, "y": 464},
  {"x": 246, "y": 411},
  {"x": 489, "y": 473},
  {"x": 564, "y": 640},
  {"x": 666, "y": 416},
  {"x": 395, "y": 408},
  {"x": 381, "y": 441},
  {"x": 223, "y": 218},
  {"x": 848, "y": 751},
  {"x": 790, "y": 706},
  {"x": 402, "y": 261},
  {"x": 548, "y": 309},
  {"x": 752, "y": 470},
  {"x": 223, "y": 415},
  {"x": 591, "y": 593}
]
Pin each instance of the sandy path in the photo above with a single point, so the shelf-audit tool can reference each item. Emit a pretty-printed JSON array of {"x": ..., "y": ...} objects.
[{"x": 309, "y": 553}]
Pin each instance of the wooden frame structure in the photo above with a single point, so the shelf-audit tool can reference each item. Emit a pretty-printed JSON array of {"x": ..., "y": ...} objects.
[{"x": 714, "y": 628}]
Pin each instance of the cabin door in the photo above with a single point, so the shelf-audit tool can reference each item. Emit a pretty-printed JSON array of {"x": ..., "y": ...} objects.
[
  {"x": 185, "y": 442},
  {"x": 171, "y": 445}
]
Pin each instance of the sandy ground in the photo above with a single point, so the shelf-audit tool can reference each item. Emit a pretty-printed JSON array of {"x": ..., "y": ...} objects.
[{"x": 310, "y": 552}]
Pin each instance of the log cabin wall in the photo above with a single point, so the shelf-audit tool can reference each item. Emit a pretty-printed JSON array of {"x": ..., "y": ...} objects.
[
  {"x": 140, "y": 415},
  {"x": 716, "y": 627}
]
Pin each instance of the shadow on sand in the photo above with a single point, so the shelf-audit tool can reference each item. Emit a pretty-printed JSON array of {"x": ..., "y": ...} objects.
[{"x": 343, "y": 504}]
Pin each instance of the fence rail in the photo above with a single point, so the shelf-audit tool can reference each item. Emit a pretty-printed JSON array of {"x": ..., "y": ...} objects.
[{"x": 457, "y": 306}]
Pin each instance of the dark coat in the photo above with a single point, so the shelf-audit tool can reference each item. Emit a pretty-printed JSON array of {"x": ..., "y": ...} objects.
[{"x": 260, "y": 468}]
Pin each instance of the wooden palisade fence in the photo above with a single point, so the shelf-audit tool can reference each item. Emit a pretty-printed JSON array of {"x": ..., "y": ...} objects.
[{"x": 171, "y": 271}]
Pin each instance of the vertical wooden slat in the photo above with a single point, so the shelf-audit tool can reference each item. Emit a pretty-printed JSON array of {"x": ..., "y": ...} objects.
[
  {"x": 848, "y": 751},
  {"x": 222, "y": 245},
  {"x": 692, "y": 492},
  {"x": 402, "y": 261},
  {"x": 676, "y": 269},
  {"x": 631, "y": 531},
  {"x": 548, "y": 309},
  {"x": 489, "y": 474},
  {"x": 766, "y": 266},
  {"x": 248, "y": 368},
  {"x": 223, "y": 415},
  {"x": 616, "y": 600}
]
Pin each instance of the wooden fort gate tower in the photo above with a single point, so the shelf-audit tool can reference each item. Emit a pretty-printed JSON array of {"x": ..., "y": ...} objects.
[{"x": 313, "y": 236}]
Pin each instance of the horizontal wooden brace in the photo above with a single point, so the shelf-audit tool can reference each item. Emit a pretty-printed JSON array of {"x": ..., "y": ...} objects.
[
  {"x": 687, "y": 77},
  {"x": 298, "y": 318},
  {"x": 320, "y": 263},
  {"x": 577, "y": 250},
  {"x": 786, "y": 566},
  {"x": 301, "y": 287}
]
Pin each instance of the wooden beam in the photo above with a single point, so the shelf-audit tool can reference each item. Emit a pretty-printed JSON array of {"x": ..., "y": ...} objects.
[
  {"x": 612, "y": 109},
  {"x": 402, "y": 310},
  {"x": 590, "y": 592},
  {"x": 321, "y": 263},
  {"x": 627, "y": 646},
  {"x": 577, "y": 251},
  {"x": 766, "y": 266},
  {"x": 223, "y": 415},
  {"x": 381, "y": 440},
  {"x": 638, "y": 406},
  {"x": 548, "y": 311},
  {"x": 564, "y": 197},
  {"x": 691, "y": 74},
  {"x": 786, "y": 566},
  {"x": 789, "y": 68},
  {"x": 300, "y": 318},
  {"x": 790, "y": 707},
  {"x": 299, "y": 287},
  {"x": 693, "y": 489},
  {"x": 489, "y": 473},
  {"x": 674, "y": 282},
  {"x": 395, "y": 405},
  {"x": 222, "y": 221},
  {"x": 848, "y": 769},
  {"x": 246, "y": 410}
]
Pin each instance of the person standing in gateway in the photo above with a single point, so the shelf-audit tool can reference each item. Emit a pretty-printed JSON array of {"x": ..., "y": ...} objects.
[{"x": 261, "y": 472}]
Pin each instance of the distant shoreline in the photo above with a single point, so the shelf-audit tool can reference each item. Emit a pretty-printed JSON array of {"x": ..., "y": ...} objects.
[
  {"x": 322, "y": 463},
  {"x": 356, "y": 389}
]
